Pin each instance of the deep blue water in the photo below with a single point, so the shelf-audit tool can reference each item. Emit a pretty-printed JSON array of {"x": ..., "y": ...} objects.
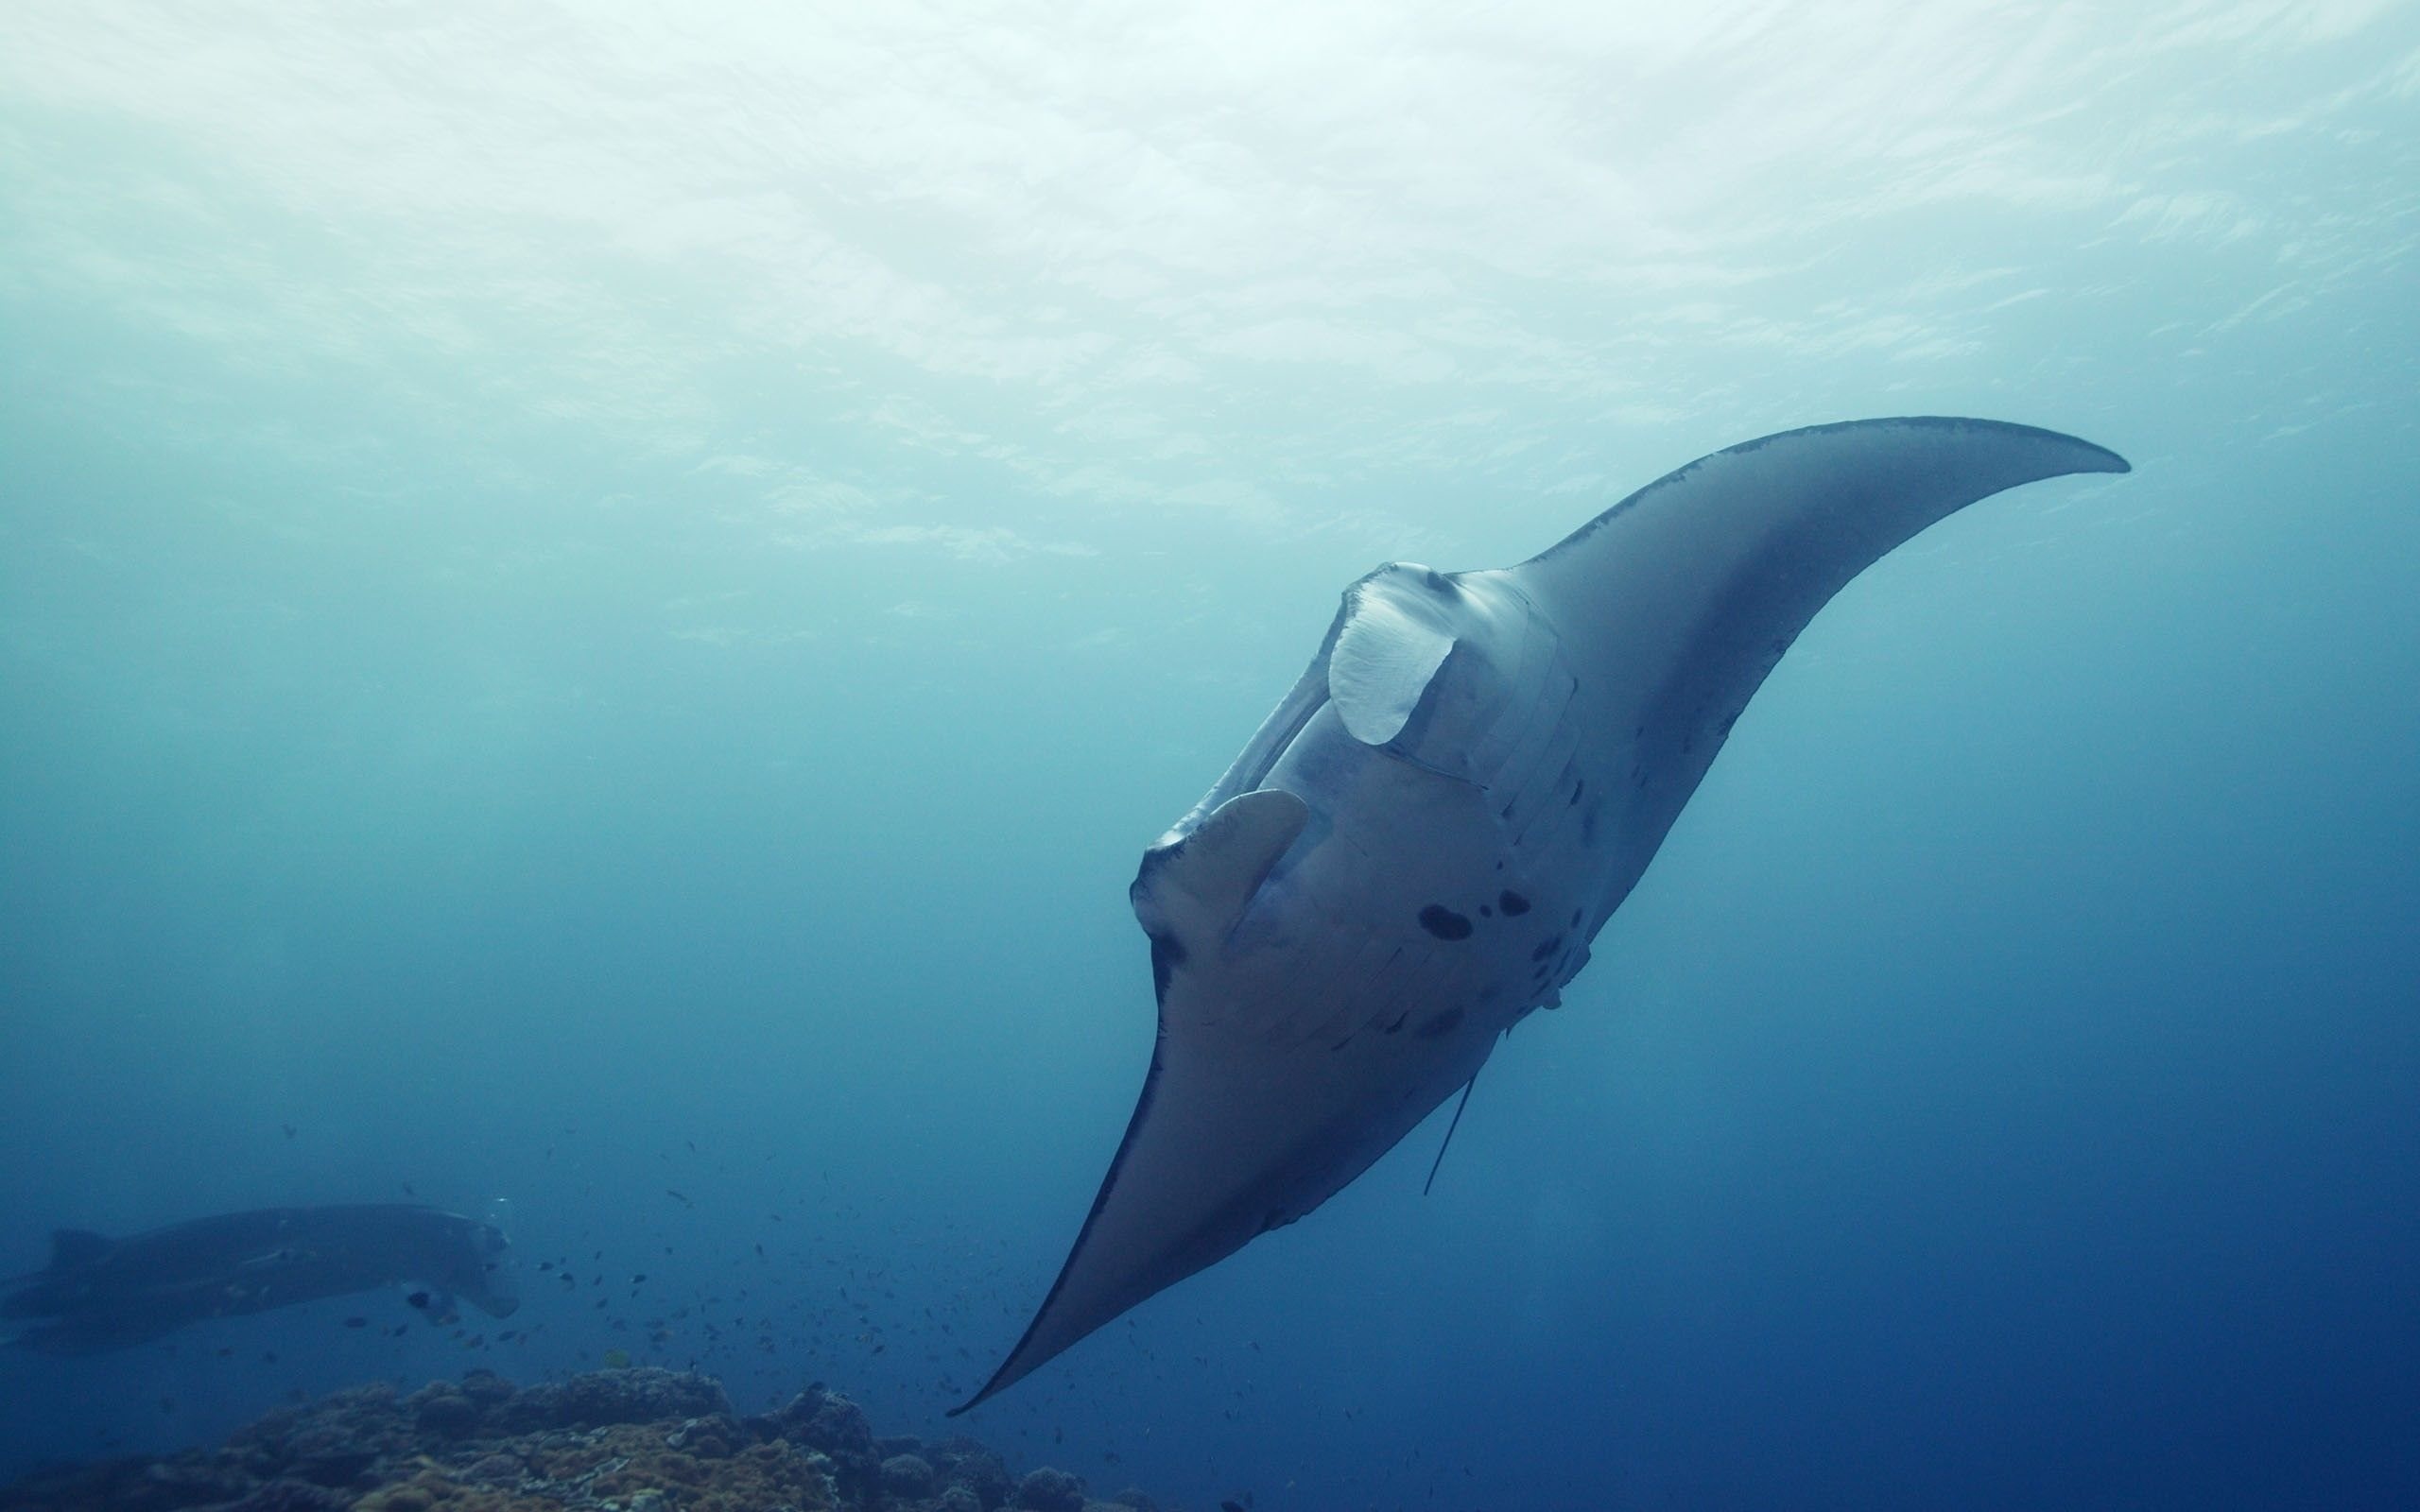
[{"x": 598, "y": 604}]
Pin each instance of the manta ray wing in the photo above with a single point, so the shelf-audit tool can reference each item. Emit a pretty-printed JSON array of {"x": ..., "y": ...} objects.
[{"x": 1416, "y": 849}]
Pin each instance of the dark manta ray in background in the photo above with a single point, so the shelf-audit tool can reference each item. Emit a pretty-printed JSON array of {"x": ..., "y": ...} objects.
[
  {"x": 100, "y": 1294},
  {"x": 1417, "y": 848}
]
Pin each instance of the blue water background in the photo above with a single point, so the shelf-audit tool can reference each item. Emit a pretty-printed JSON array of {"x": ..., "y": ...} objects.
[{"x": 598, "y": 604}]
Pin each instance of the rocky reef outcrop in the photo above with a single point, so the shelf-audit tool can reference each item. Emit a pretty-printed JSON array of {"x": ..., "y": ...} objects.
[{"x": 629, "y": 1440}]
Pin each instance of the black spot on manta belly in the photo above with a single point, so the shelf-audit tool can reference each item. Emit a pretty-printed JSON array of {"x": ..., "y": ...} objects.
[
  {"x": 1442, "y": 1024},
  {"x": 1444, "y": 923},
  {"x": 1514, "y": 905}
]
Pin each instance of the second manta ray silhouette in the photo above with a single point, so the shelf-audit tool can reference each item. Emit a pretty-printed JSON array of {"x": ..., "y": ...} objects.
[
  {"x": 99, "y": 1293},
  {"x": 1415, "y": 851}
]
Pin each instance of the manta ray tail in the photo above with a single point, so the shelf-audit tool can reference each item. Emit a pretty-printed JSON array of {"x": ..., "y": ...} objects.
[{"x": 1448, "y": 1142}]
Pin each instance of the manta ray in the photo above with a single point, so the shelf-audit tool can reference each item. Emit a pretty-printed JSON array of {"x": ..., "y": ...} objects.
[
  {"x": 99, "y": 1293},
  {"x": 1415, "y": 851}
]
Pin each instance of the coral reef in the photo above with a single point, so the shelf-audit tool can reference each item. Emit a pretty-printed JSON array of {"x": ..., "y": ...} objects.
[
  {"x": 1049, "y": 1490},
  {"x": 620, "y": 1440}
]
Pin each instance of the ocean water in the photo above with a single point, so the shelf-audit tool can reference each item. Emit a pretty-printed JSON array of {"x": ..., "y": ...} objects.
[{"x": 597, "y": 603}]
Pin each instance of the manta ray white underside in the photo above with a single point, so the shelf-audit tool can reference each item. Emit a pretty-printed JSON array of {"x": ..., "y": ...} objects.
[{"x": 1418, "y": 846}]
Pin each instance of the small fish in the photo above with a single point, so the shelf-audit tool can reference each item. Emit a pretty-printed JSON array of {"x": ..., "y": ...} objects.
[
  {"x": 676, "y": 1196},
  {"x": 419, "y": 1299}
]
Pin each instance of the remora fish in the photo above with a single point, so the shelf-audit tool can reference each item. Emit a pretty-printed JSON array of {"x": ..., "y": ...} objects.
[
  {"x": 99, "y": 1293},
  {"x": 1416, "y": 849}
]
